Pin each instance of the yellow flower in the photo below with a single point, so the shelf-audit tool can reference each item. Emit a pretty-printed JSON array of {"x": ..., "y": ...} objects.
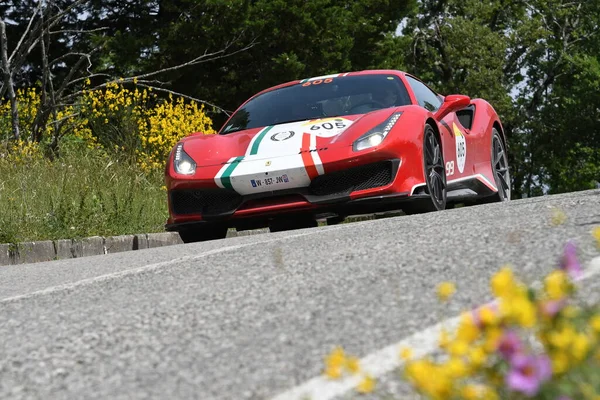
[
  {"x": 353, "y": 365},
  {"x": 503, "y": 282},
  {"x": 406, "y": 353},
  {"x": 456, "y": 368},
  {"x": 477, "y": 357},
  {"x": 580, "y": 347},
  {"x": 556, "y": 285},
  {"x": 488, "y": 316},
  {"x": 523, "y": 311},
  {"x": 595, "y": 323},
  {"x": 562, "y": 338},
  {"x": 333, "y": 372},
  {"x": 560, "y": 362},
  {"x": 596, "y": 234},
  {"x": 558, "y": 216},
  {"x": 334, "y": 363},
  {"x": 420, "y": 374},
  {"x": 366, "y": 385},
  {"x": 445, "y": 290},
  {"x": 458, "y": 348},
  {"x": 491, "y": 340},
  {"x": 478, "y": 392},
  {"x": 467, "y": 329}
]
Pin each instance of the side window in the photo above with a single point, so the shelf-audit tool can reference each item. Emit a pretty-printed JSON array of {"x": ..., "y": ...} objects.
[{"x": 425, "y": 96}]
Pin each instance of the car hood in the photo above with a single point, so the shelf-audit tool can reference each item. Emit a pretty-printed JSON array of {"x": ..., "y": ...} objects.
[{"x": 281, "y": 140}]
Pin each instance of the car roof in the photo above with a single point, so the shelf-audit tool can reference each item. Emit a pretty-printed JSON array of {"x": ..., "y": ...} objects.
[{"x": 343, "y": 74}]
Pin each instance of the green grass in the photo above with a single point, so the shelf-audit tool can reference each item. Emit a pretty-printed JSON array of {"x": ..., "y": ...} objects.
[{"x": 83, "y": 193}]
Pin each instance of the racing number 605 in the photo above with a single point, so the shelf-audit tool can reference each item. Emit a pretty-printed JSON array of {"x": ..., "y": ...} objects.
[{"x": 327, "y": 126}]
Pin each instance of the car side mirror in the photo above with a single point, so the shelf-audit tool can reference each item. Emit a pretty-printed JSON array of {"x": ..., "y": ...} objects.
[{"x": 452, "y": 103}]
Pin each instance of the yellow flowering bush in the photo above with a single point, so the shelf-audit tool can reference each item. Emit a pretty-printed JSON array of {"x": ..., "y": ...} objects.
[
  {"x": 28, "y": 101},
  {"x": 139, "y": 123},
  {"x": 134, "y": 123}
]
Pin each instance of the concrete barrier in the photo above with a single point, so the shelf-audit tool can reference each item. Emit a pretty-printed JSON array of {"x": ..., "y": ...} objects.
[
  {"x": 140, "y": 241},
  {"x": 86, "y": 247},
  {"x": 30, "y": 252},
  {"x": 8, "y": 254},
  {"x": 64, "y": 249},
  {"x": 118, "y": 244},
  {"x": 163, "y": 239}
]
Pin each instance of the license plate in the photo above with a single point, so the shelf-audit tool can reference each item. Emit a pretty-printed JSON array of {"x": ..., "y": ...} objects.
[{"x": 270, "y": 181}]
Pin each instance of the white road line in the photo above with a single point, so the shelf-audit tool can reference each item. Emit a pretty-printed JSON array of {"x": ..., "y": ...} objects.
[
  {"x": 157, "y": 266},
  {"x": 388, "y": 359}
]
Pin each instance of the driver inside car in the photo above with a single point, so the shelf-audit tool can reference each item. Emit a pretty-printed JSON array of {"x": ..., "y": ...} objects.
[{"x": 379, "y": 99}]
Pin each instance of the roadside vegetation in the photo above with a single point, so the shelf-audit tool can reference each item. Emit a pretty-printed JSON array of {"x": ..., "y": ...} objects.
[
  {"x": 532, "y": 342},
  {"x": 106, "y": 177}
]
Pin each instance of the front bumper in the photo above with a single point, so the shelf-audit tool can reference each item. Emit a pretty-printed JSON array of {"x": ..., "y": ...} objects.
[{"x": 340, "y": 191}]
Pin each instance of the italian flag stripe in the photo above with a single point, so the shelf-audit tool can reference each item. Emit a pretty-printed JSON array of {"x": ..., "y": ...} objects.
[
  {"x": 260, "y": 137},
  {"x": 226, "y": 177},
  {"x": 307, "y": 159}
]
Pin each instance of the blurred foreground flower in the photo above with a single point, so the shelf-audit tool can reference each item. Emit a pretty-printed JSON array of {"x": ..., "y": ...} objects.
[
  {"x": 445, "y": 290},
  {"x": 532, "y": 342}
]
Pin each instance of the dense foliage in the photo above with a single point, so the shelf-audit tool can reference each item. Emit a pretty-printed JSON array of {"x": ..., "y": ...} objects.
[{"x": 535, "y": 61}]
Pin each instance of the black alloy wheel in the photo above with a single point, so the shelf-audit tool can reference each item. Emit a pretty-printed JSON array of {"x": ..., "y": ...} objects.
[
  {"x": 435, "y": 175},
  {"x": 500, "y": 167}
]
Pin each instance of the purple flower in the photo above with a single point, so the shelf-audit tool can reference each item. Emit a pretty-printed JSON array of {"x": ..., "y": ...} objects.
[
  {"x": 527, "y": 373},
  {"x": 569, "y": 261},
  {"x": 552, "y": 307},
  {"x": 510, "y": 345}
]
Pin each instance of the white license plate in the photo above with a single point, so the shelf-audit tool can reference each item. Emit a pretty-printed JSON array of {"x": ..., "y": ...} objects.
[{"x": 270, "y": 181}]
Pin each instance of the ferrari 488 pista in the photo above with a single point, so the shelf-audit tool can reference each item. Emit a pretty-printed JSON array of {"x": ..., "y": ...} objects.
[{"x": 333, "y": 146}]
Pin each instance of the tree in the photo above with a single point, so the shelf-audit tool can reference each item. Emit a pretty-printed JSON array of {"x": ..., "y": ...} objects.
[
  {"x": 71, "y": 53},
  {"x": 523, "y": 57}
]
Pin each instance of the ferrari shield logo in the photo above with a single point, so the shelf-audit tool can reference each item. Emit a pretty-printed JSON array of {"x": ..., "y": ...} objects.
[{"x": 268, "y": 163}]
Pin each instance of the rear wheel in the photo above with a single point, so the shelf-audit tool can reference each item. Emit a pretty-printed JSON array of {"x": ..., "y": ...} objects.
[
  {"x": 203, "y": 233},
  {"x": 500, "y": 167},
  {"x": 435, "y": 176},
  {"x": 499, "y": 162}
]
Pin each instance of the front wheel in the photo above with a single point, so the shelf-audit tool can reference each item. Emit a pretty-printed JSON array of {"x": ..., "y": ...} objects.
[
  {"x": 435, "y": 176},
  {"x": 203, "y": 233}
]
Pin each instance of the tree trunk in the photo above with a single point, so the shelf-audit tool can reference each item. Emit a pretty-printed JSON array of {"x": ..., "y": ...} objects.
[{"x": 8, "y": 81}]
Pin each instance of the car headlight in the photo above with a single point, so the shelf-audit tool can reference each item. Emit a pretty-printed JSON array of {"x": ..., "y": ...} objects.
[
  {"x": 183, "y": 163},
  {"x": 375, "y": 136}
]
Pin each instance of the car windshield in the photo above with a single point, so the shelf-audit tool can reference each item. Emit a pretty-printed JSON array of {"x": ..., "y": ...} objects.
[{"x": 321, "y": 98}]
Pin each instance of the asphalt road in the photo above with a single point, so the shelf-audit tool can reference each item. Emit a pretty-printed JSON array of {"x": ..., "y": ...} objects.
[{"x": 251, "y": 317}]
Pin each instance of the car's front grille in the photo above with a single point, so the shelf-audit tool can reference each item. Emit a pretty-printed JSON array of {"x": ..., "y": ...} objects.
[
  {"x": 205, "y": 201},
  {"x": 359, "y": 178}
]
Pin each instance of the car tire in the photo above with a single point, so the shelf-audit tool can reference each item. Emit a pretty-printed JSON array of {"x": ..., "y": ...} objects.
[
  {"x": 499, "y": 161},
  {"x": 203, "y": 233},
  {"x": 435, "y": 176}
]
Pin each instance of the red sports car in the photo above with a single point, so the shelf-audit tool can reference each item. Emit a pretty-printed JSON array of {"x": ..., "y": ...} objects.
[{"x": 332, "y": 146}]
